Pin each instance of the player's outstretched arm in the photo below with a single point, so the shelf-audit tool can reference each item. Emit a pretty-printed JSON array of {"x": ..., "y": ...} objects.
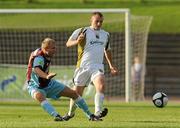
[
  {"x": 114, "y": 70},
  {"x": 42, "y": 74}
]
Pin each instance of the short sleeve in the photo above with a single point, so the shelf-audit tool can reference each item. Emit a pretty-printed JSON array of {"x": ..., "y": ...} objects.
[
  {"x": 75, "y": 34},
  {"x": 38, "y": 62}
]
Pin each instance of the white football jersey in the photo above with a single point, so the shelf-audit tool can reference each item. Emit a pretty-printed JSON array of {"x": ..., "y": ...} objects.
[{"x": 91, "y": 51}]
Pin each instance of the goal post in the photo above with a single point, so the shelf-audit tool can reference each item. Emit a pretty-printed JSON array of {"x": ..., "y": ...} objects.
[
  {"x": 27, "y": 27},
  {"x": 127, "y": 56}
]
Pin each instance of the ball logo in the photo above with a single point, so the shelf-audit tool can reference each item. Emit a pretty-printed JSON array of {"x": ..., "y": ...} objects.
[{"x": 158, "y": 102}]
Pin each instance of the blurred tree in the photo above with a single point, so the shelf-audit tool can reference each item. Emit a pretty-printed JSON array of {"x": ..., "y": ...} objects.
[
  {"x": 31, "y": 1},
  {"x": 86, "y": 1},
  {"x": 143, "y": 1}
]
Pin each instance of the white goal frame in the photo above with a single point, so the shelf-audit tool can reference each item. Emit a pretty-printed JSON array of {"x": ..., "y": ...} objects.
[{"x": 110, "y": 10}]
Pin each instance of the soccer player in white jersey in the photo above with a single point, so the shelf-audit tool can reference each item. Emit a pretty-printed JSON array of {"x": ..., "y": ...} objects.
[
  {"x": 93, "y": 43},
  {"x": 42, "y": 86}
]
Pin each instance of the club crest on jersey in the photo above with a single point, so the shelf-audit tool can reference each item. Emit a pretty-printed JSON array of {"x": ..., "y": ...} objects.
[
  {"x": 97, "y": 36},
  {"x": 40, "y": 62}
]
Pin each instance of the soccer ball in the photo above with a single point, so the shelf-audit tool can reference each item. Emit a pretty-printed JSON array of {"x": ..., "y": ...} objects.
[{"x": 160, "y": 99}]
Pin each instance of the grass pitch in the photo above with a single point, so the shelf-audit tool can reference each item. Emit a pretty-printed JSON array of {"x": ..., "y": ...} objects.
[{"x": 121, "y": 115}]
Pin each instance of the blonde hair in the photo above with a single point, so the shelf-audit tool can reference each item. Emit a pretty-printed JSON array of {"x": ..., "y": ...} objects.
[{"x": 47, "y": 42}]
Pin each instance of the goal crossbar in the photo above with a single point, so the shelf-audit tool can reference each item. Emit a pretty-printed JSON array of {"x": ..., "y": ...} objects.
[{"x": 63, "y": 10}]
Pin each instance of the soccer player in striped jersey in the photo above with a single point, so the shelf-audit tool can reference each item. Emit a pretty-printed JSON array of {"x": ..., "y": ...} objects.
[
  {"x": 93, "y": 43},
  {"x": 42, "y": 86}
]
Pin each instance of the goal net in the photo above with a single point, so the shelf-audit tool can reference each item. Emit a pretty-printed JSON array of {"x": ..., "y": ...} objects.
[{"x": 21, "y": 32}]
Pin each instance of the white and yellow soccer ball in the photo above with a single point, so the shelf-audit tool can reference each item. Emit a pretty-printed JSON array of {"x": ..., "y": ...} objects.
[{"x": 160, "y": 99}]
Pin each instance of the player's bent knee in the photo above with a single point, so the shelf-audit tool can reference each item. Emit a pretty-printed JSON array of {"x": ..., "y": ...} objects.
[
  {"x": 100, "y": 88},
  {"x": 38, "y": 96},
  {"x": 74, "y": 95},
  {"x": 67, "y": 92}
]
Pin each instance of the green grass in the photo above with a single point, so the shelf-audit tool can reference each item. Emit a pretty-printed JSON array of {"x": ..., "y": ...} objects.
[
  {"x": 121, "y": 115},
  {"x": 166, "y": 13}
]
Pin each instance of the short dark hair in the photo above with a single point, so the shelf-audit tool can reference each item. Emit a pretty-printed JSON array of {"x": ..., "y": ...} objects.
[{"x": 97, "y": 13}]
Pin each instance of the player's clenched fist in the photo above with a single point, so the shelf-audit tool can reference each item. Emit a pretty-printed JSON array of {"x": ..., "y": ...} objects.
[
  {"x": 80, "y": 38},
  {"x": 114, "y": 70}
]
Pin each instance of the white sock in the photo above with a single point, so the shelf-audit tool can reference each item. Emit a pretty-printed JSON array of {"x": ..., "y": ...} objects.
[
  {"x": 72, "y": 107},
  {"x": 98, "y": 100}
]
